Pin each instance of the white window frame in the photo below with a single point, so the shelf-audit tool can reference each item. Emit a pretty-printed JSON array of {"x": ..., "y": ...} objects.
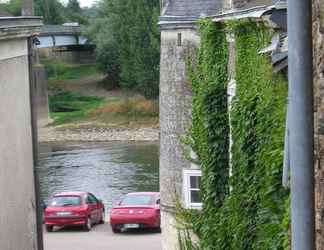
[{"x": 187, "y": 173}]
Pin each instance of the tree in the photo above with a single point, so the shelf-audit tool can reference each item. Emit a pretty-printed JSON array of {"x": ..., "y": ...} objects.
[
  {"x": 13, "y": 7},
  {"x": 51, "y": 10},
  {"x": 74, "y": 5},
  {"x": 74, "y": 13},
  {"x": 128, "y": 43}
]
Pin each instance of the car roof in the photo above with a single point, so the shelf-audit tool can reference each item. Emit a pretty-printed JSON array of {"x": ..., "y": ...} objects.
[
  {"x": 144, "y": 193},
  {"x": 71, "y": 193}
]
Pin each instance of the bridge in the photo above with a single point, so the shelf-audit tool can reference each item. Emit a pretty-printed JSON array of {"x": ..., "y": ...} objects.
[
  {"x": 65, "y": 42},
  {"x": 61, "y": 35}
]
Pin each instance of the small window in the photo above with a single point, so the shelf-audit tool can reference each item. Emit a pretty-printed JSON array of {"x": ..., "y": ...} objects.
[
  {"x": 91, "y": 199},
  {"x": 179, "y": 43},
  {"x": 191, "y": 188}
]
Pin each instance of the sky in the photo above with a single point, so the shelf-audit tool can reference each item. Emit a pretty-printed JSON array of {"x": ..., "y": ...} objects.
[
  {"x": 83, "y": 3},
  {"x": 86, "y": 3}
]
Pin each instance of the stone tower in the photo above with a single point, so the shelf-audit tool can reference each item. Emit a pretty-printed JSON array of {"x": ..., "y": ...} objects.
[{"x": 179, "y": 40}]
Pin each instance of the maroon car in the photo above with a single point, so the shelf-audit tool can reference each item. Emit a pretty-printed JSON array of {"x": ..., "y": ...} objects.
[
  {"x": 136, "y": 210},
  {"x": 74, "y": 209}
]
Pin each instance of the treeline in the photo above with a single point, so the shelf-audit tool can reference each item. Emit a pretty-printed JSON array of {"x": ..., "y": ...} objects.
[
  {"x": 128, "y": 44},
  {"x": 53, "y": 11},
  {"x": 125, "y": 33}
]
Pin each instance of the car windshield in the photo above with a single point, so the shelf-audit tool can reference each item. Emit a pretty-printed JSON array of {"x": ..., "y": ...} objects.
[
  {"x": 137, "y": 200},
  {"x": 61, "y": 201}
]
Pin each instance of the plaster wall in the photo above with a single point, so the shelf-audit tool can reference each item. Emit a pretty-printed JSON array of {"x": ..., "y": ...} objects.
[
  {"x": 18, "y": 209},
  {"x": 175, "y": 116}
]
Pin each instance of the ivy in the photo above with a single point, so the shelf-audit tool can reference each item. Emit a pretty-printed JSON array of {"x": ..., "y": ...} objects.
[
  {"x": 258, "y": 127},
  {"x": 209, "y": 132},
  {"x": 252, "y": 214}
]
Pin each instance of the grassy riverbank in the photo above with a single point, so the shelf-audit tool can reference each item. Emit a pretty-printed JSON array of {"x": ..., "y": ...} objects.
[
  {"x": 77, "y": 99},
  {"x": 59, "y": 71},
  {"x": 126, "y": 111}
]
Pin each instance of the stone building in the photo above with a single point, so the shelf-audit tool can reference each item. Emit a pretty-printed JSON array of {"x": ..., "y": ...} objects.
[
  {"x": 17, "y": 180},
  {"x": 179, "y": 39},
  {"x": 318, "y": 38}
]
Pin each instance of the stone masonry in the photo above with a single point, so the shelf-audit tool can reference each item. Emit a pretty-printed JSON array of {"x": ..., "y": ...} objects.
[
  {"x": 318, "y": 38},
  {"x": 175, "y": 115}
]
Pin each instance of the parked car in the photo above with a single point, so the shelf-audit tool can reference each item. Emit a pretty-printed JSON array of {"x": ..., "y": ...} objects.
[
  {"x": 136, "y": 210},
  {"x": 74, "y": 209}
]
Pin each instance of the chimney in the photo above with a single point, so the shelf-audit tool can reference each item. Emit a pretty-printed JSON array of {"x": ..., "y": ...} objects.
[{"x": 27, "y": 8}]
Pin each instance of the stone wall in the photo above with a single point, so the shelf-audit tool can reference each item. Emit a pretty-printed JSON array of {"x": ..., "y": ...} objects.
[
  {"x": 175, "y": 116},
  {"x": 318, "y": 36},
  {"x": 69, "y": 56},
  {"x": 17, "y": 190}
]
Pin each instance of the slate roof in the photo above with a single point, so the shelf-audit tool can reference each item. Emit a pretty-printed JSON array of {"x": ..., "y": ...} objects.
[{"x": 192, "y": 8}]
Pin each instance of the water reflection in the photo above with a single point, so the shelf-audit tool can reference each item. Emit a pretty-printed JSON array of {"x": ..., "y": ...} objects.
[{"x": 108, "y": 170}]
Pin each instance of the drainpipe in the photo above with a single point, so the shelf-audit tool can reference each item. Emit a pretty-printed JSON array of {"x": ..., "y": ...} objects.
[{"x": 301, "y": 134}]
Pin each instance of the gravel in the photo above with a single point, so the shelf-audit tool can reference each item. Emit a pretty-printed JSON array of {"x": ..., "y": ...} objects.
[{"x": 53, "y": 134}]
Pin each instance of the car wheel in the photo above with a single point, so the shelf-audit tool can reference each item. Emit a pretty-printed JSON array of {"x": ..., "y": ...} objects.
[
  {"x": 49, "y": 228},
  {"x": 102, "y": 220},
  {"x": 87, "y": 225},
  {"x": 158, "y": 229},
  {"x": 115, "y": 230}
]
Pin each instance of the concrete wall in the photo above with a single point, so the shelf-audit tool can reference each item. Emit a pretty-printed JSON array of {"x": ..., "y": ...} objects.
[
  {"x": 17, "y": 206},
  {"x": 175, "y": 117}
]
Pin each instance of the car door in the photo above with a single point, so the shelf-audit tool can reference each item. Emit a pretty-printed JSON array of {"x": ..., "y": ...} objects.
[
  {"x": 92, "y": 204},
  {"x": 95, "y": 207}
]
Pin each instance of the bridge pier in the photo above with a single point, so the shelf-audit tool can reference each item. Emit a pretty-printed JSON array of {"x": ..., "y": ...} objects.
[{"x": 41, "y": 95}]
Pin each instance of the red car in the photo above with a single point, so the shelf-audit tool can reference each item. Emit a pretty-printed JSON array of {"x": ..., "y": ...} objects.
[
  {"x": 74, "y": 209},
  {"x": 136, "y": 210}
]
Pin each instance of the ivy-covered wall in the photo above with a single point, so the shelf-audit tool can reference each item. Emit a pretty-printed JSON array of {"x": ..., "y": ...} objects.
[{"x": 246, "y": 210}]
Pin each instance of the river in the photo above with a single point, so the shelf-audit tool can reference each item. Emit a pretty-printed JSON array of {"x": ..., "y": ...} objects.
[{"x": 106, "y": 169}]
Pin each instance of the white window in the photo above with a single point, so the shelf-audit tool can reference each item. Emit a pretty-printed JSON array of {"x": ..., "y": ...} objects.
[{"x": 191, "y": 188}]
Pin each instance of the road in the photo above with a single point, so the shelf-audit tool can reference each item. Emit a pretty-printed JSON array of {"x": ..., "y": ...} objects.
[{"x": 101, "y": 238}]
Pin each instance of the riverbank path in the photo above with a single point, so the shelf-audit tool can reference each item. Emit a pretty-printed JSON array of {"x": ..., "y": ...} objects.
[{"x": 101, "y": 238}]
